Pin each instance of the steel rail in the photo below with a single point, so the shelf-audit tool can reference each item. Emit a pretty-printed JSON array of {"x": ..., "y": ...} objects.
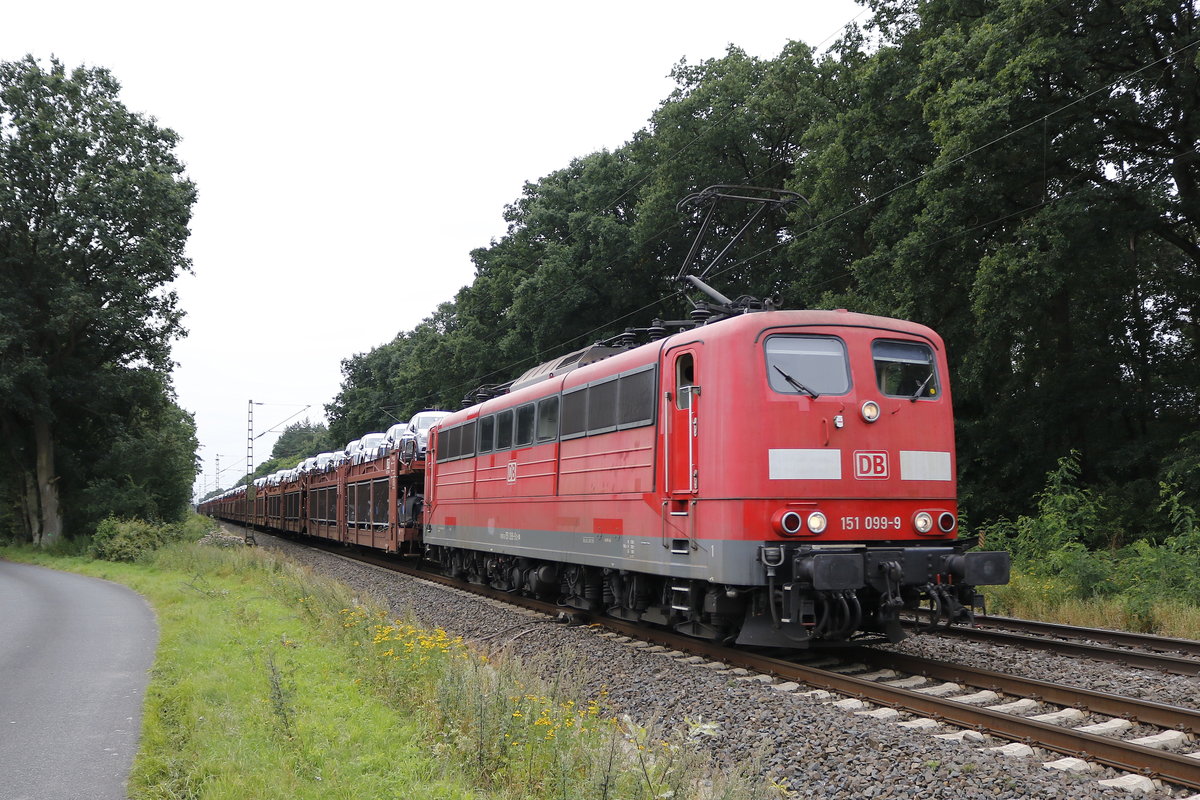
[
  {"x": 1177, "y": 665},
  {"x": 1133, "y": 709},
  {"x": 1146, "y": 641}
]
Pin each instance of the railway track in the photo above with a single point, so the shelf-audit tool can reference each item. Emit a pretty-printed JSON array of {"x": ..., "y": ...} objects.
[
  {"x": 955, "y": 694},
  {"x": 1175, "y": 656},
  {"x": 935, "y": 693},
  {"x": 1189, "y": 647}
]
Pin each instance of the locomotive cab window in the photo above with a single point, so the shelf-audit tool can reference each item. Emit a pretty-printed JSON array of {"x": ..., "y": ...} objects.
[
  {"x": 905, "y": 369},
  {"x": 685, "y": 379},
  {"x": 807, "y": 365}
]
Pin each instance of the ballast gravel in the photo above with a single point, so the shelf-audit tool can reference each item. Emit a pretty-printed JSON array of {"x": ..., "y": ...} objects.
[{"x": 806, "y": 743}]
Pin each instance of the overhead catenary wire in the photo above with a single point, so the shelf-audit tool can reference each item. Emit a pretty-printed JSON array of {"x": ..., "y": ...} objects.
[{"x": 275, "y": 428}]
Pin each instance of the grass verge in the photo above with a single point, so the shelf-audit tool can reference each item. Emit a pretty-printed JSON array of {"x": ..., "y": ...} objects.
[
  {"x": 270, "y": 682},
  {"x": 1055, "y": 599}
]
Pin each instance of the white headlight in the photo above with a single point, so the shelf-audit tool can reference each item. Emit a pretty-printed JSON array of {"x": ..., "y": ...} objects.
[
  {"x": 923, "y": 522},
  {"x": 870, "y": 411},
  {"x": 817, "y": 522}
]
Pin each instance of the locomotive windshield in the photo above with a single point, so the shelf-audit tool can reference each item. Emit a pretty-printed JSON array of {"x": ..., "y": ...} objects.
[
  {"x": 817, "y": 363},
  {"x": 905, "y": 369}
]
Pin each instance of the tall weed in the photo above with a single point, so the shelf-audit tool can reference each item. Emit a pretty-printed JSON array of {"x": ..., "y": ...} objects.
[{"x": 1068, "y": 550}]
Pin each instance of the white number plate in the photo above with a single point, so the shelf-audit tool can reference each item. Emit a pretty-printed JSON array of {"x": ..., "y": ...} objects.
[{"x": 870, "y": 523}]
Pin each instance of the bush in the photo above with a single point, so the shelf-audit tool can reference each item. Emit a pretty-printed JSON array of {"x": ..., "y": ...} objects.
[
  {"x": 1068, "y": 518},
  {"x": 193, "y": 528},
  {"x": 129, "y": 539},
  {"x": 1067, "y": 554}
]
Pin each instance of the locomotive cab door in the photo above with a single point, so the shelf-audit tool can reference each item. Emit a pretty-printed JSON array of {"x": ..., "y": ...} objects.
[
  {"x": 682, "y": 451},
  {"x": 681, "y": 448}
]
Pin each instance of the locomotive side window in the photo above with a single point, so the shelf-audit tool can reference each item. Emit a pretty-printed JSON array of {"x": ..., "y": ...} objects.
[
  {"x": 456, "y": 442},
  {"x": 602, "y": 407},
  {"x": 504, "y": 430},
  {"x": 623, "y": 401},
  {"x": 547, "y": 419},
  {"x": 637, "y": 396},
  {"x": 487, "y": 430},
  {"x": 905, "y": 369},
  {"x": 812, "y": 365},
  {"x": 574, "y": 413},
  {"x": 467, "y": 443},
  {"x": 525, "y": 416}
]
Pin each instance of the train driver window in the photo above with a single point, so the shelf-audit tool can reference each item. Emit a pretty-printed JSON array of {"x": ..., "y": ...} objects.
[
  {"x": 905, "y": 369},
  {"x": 685, "y": 379},
  {"x": 807, "y": 365}
]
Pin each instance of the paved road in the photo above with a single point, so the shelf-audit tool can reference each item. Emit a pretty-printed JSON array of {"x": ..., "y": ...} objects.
[{"x": 74, "y": 656}]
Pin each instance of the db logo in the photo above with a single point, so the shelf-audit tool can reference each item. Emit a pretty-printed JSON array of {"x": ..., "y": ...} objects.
[
  {"x": 870, "y": 464},
  {"x": 512, "y": 472}
]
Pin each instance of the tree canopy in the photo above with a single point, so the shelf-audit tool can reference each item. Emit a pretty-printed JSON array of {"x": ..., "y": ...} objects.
[
  {"x": 1036, "y": 202},
  {"x": 94, "y": 211}
]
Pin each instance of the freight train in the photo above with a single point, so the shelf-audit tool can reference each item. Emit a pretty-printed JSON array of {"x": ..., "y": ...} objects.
[{"x": 774, "y": 478}]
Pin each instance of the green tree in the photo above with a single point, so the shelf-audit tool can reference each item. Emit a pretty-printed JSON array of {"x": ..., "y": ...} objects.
[
  {"x": 570, "y": 250},
  {"x": 93, "y": 219},
  {"x": 148, "y": 461},
  {"x": 301, "y": 440},
  {"x": 732, "y": 120},
  {"x": 1022, "y": 176}
]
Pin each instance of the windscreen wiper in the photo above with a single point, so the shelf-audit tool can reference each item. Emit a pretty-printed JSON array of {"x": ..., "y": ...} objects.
[
  {"x": 797, "y": 385},
  {"x": 921, "y": 389}
]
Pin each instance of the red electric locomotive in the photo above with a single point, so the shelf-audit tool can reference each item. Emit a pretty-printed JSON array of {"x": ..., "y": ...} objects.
[{"x": 780, "y": 477}]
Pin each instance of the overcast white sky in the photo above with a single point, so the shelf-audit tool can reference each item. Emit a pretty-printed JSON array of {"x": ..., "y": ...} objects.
[{"x": 349, "y": 156}]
